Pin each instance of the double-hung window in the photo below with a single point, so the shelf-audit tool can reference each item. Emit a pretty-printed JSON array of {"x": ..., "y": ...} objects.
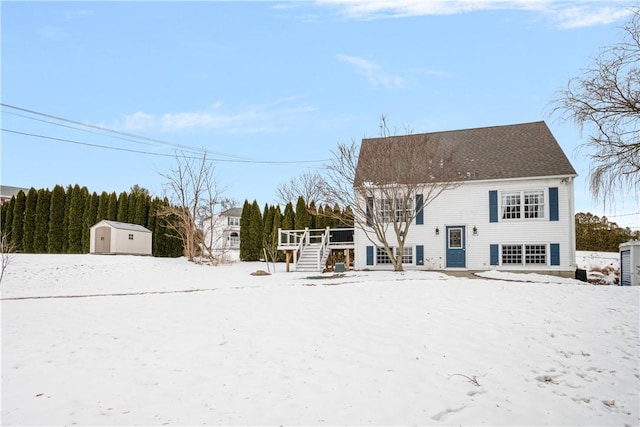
[
  {"x": 534, "y": 204},
  {"x": 404, "y": 209},
  {"x": 522, "y": 204},
  {"x": 397, "y": 210}
]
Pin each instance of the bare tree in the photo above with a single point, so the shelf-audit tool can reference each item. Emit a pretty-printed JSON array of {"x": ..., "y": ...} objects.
[
  {"x": 310, "y": 185},
  {"x": 193, "y": 196},
  {"x": 7, "y": 250},
  {"x": 388, "y": 182},
  {"x": 605, "y": 101}
]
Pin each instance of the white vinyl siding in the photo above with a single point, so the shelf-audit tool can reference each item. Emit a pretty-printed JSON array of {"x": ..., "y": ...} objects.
[{"x": 468, "y": 205}]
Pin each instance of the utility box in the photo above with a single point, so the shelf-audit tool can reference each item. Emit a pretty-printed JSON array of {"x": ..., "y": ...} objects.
[{"x": 630, "y": 263}]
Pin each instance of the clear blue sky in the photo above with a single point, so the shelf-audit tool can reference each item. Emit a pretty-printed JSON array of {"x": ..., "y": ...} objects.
[{"x": 260, "y": 82}]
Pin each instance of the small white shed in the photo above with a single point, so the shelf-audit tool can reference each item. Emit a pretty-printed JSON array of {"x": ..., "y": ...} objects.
[
  {"x": 630, "y": 263},
  {"x": 113, "y": 237}
]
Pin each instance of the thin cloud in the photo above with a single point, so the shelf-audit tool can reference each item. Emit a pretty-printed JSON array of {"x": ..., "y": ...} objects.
[
  {"x": 585, "y": 16},
  {"x": 374, "y": 74},
  {"x": 564, "y": 14},
  {"x": 271, "y": 117}
]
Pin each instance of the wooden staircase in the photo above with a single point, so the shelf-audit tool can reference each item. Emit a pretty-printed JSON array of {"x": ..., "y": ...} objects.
[{"x": 311, "y": 258}]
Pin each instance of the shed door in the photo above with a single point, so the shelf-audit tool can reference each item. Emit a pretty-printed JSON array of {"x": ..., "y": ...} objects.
[
  {"x": 625, "y": 268},
  {"x": 456, "y": 247},
  {"x": 103, "y": 240}
]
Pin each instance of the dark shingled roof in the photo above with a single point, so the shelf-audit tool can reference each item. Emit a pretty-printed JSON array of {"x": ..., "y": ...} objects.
[
  {"x": 233, "y": 212},
  {"x": 497, "y": 152}
]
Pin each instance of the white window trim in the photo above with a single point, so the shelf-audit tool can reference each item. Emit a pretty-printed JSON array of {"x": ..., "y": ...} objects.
[
  {"x": 544, "y": 212},
  {"x": 395, "y": 252},
  {"x": 523, "y": 247}
]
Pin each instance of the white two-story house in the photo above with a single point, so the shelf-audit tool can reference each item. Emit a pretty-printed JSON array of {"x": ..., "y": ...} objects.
[
  {"x": 222, "y": 231},
  {"x": 512, "y": 209}
]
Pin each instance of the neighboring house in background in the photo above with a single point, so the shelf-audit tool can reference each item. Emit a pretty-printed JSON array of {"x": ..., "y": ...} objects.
[
  {"x": 7, "y": 192},
  {"x": 514, "y": 211},
  {"x": 223, "y": 233},
  {"x": 113, "y": 237}
]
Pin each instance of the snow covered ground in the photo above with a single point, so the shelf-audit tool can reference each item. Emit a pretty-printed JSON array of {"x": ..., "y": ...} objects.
[{"x": 124, "y": 340}]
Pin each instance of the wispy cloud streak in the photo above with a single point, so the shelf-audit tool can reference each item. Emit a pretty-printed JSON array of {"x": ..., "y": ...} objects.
[
  {"x": 563, "y": 14},
  {"x": 269, "y": 117},
  {"x": 374, "y": 74}
]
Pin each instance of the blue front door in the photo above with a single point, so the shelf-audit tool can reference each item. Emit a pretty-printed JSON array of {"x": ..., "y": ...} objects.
[{"x": 456, "y": 253}]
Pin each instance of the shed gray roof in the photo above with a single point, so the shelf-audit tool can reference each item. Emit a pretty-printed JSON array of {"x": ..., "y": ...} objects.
[
  {"x": 125, "y": 226},
  {"x": 497, "y": 152}
]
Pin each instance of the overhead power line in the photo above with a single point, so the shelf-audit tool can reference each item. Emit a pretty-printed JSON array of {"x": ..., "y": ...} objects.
[
  {"x": 113, "y": 131},
  {"x": 86, "y": 127},
  {"x": 156, "y": 154}
]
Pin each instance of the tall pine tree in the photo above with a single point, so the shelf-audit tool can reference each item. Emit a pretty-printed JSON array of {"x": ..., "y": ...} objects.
[
  {"x": 288, "y": 220},
  {"x": 141, "y": 209},
  {"x": 56, "y": 219},
  {"x": 302, "y": 219},
  {"x": 7, "y": 225},
  {"x": 42, "y": 221},
  {"x": 112, "y": 207},
  {"x": 103, "y": 202},
  {"x": 75, "y": 218},
  {"x": 123, "y": 207},
  {"x": 89, "y": 218},
  {"x": 245, "y": 235},
  {"x": 29, "y": 224},
  {"x": 18, "y": 221},
  {"x": 256, "y": 229}
]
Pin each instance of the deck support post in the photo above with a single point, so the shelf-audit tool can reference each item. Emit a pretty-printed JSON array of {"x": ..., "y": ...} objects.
[
  {"x": 287, "y": 256},
  {"x": 348, "y": 257}
]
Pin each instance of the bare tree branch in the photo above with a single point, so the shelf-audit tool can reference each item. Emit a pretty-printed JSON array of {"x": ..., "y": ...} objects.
[
  {"x": 7, "y": 250},
  {"x": 193, "y": 194},
  {"x": 388, "y": 182},
  {"x": 605, "y": 102},
  {"x": 310, "y": 185}
]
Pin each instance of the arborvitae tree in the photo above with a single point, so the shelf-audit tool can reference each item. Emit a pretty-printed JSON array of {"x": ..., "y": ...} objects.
[
  {"x": 112, "y": 207},
  {"x": 56, "y": 219},
  {"x": 302, "y": 219},
  {"x": 103, "y": 202},
  {"x": 289, "y": 217},
  {"x": 89, "y": 219},
  {"x": 123, "y": 207},
  {"x": 29, "y": 223},
  {"x": 141, "y": 209},
  {"x": 151, "y": 224},
  {"x": 165, "y": 242},
  {"x": 277, "y": 224},
  {"x": 3, "y": 214},
  {"x": 42, "y": 221},
  {"x": 18, "y": 221},
  {"x": 313, "y": 215},
  {"x": 132, "y": 201},
  {"x": 65, "y": 223},
  {"x": 256, "y": 229},
  {"x": 74, "y": 217},
  {"x": 8, "y": 218},
  {"x": 245, "y": 235}
]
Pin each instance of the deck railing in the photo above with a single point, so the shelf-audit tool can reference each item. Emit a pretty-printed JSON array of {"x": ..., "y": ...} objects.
[{"x": 293, "y": 239}]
